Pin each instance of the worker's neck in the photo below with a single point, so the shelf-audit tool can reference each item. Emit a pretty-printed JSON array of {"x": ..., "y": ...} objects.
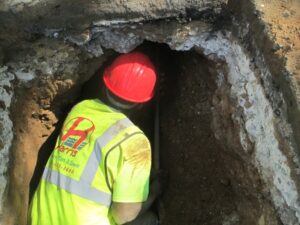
[{"x": 118, "y": 104}]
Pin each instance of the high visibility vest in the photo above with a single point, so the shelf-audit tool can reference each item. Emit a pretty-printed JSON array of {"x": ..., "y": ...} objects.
[{"x": 76, "y": 186}]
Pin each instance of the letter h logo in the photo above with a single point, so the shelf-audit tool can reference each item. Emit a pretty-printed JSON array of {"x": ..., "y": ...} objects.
[{"x": 77, "y": 132}]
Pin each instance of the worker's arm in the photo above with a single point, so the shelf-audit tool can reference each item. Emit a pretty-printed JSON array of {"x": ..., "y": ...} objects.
[
  {"x": 154, "y": 192},
  {"x": 131, "y": 185},
  {"x": 125, "y": 212}
]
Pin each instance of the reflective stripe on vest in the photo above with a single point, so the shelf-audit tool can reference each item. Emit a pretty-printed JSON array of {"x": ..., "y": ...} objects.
[
  {"x": 83, "y": 187},
  {"x": 77, "y": 187}
]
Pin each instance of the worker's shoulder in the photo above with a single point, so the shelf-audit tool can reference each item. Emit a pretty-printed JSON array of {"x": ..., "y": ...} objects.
[
  {"x": 136, "y": 150},
  {"x": 136, "y": 137}
]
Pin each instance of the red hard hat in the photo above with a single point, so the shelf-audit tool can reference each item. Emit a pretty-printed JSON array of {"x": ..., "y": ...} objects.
[{"x": 131, "y": 77}]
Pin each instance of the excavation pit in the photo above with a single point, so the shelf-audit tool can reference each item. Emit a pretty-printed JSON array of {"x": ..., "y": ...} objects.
[
  {"x": 222, "y": 139},
  {"x": 208, "y": 182}
]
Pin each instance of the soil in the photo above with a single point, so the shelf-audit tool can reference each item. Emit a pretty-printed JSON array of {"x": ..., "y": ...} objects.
[
  {"x": 199, "y": 190},
  {"x": 208, "y": 184},
  {"x": 283, "y": 18},
  {"x": 36, "y": 129}
]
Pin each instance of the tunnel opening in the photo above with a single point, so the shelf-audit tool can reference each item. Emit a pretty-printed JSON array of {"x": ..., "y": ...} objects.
[
  {"x": 198, "y": 190},
  {"x": 208, "y": 182}
]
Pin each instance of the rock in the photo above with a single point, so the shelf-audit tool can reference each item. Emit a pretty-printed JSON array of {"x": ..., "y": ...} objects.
[
  {"x": 1, "y": 144},
  {"x": 2, "y": 105},
  {"x": 40, "y": 17},
  {"x": 286, "y": 13},
  {"x": 80, "y": 39},
  {"x": 24, "y": 76}
]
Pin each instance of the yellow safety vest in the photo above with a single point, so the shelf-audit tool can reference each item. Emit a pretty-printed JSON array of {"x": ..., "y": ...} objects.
[{"x": 76, "y": 186}]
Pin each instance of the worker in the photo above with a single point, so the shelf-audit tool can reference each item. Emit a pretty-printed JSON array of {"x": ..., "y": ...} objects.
[{"x": 98, "y": 172}]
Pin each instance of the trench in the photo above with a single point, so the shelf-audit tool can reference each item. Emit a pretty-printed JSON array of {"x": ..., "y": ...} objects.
[
  {"x": 224, "y": 137},
  {"x": 208, "y": 182},
  {"x": 228, "y": 136}
]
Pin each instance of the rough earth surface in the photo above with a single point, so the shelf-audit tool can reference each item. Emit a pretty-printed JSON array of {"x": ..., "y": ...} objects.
[
  {"x": 42, "y": 75},
  {"x": 21, "y": 19},
  {"x": 230, "y": 107},
  {"x": 209, "y": 183},
  {"x": 283, "y": 19}
]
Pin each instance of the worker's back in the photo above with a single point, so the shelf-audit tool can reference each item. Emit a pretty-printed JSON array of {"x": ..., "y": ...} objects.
[{"x": 95, "y": 153}]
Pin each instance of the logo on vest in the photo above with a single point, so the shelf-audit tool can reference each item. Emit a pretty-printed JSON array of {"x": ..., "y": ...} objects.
[{"x": 75, "y": 135}]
